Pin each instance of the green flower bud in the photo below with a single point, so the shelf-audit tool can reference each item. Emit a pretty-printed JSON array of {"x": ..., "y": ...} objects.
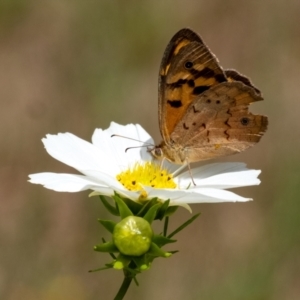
[{"x": 133, "y": 236}]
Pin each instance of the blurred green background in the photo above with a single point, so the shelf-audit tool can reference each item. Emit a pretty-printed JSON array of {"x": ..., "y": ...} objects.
[{"x": 73, "y": 66}]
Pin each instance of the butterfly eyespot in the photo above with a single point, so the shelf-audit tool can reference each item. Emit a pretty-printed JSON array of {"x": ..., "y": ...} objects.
[
  {"x": 245, "y": 121},
  {"x": 208, "y": 101},
  {"x": 188, "y": 65},
  {"x": 218, "y": 101}
]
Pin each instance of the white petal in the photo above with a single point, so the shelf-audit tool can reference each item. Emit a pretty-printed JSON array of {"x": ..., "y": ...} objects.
[
  {"x": 221, "y": 175},
  {"x": 200, "y": 195},
  {"x": 211, "y": 195},
  {"x": 67, "y": 182},
  {"x": 78, "y": 153},
  {"x": 216, "y": 168},
  {"x": 134, "y": 196},
  {"x": 103, "y": 178},
  {"x": 116, "y": 146}
]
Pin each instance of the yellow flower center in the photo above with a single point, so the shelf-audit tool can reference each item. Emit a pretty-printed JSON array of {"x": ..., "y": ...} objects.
[{"x": 146, "y": 174}]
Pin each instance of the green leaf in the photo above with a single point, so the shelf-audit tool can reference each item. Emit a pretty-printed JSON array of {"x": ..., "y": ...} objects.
[
  {"x": 134, "y": 206},
  {"x": 158, "y": 252},
  {"x": 188, "y": 222},
  {"x": 135, "y": 281},
  {"x": 151, "y": 213},
  {"x": 170, "y": 211},
  {"x": 106, "y": 247},
  {"x": 123, "y": 208},
  {"x": 112, "y": 209},
  {"x": 161, "y": 240},
  {"x": 108, "y": 266},
  {"x": 146, "y": 207},
  {"x": 109, "y": 225},
  {"x": 163, "y": 209}
]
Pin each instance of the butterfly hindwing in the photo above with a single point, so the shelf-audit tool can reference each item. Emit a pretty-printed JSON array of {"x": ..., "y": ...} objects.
[{"x": 218, "y": 122}]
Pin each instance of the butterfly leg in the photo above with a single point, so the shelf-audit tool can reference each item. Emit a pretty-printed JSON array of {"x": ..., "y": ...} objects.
[
  {"x": 179, "y": 170},
  {"x": 190, "y": 171},
  {"x": 162, "y": 162}
]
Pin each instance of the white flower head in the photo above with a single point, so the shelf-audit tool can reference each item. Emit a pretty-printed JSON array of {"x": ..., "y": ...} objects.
[{"x": 108, "y": 168}]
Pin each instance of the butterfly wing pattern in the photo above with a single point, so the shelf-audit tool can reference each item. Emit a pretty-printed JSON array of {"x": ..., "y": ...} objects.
[
  {"x": 203, "y": 110},
  {"x": 187, "y": 69}
]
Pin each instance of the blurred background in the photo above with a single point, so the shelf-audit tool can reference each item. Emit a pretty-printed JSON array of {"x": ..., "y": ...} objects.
[{"x": 73, "y": 66}]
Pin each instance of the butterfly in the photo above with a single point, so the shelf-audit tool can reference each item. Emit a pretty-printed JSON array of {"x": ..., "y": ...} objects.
[{"x": 203, "y": 109}]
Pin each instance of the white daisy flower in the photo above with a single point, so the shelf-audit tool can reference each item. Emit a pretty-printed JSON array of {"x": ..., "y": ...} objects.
[{"x": 108, "y": 168}]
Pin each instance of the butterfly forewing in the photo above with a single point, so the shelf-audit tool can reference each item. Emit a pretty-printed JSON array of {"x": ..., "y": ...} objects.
[{"x": 188, "y": 69}]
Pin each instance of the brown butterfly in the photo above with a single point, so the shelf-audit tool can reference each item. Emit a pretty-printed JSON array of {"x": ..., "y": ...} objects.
[{"x": 203, "y": 109}]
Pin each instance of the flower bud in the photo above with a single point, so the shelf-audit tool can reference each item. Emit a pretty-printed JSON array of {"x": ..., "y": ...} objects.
[{"x": 133, "y": 236}]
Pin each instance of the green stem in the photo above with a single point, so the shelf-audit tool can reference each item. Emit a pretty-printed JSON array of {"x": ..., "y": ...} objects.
[
  {"x": 166, "y": 226},
  {"x": 124, "y": 287},
  {"x": 189, "y": 221}
]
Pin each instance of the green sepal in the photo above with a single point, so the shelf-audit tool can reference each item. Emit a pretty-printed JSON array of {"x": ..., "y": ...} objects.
[
  {"x": 106, "y": 247},
  {"x": 141, "y": 262},
  {"x": 146, "y": 207},
  {"x": 170, "y": 211},
  {"x": 134, "y": 206},
  {"x": 188, "y": 222},
  {"x": 161, "y": 240},
  {"x": 151, "y": 213},
  {"x": 109, "y": 225},
  {"x": 110, "y": 253},
  {"x": 122, "y": 207},
  {"x": 162, "y": 210},
  {"x": 112, "y": 209},
  {"x": 157, "y": 252},
  {"x": 121, "y": 262}
]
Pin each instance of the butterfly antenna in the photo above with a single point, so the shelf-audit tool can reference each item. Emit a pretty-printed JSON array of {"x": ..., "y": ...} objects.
[
  {"x": 128, "y": 138},
  {"x": 129, "y": 148}
]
